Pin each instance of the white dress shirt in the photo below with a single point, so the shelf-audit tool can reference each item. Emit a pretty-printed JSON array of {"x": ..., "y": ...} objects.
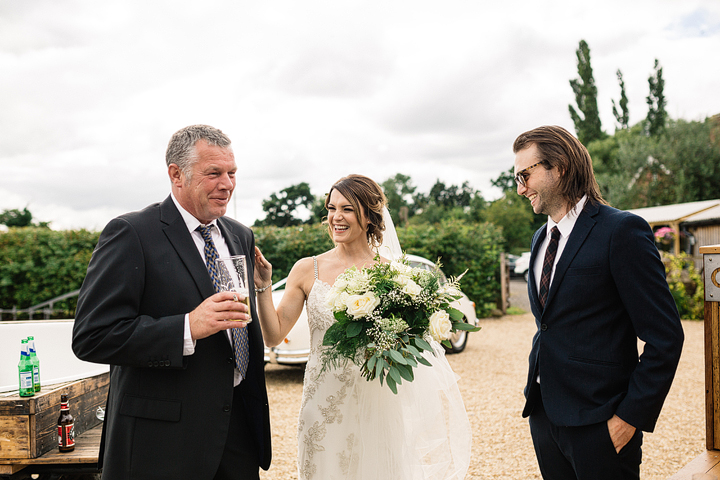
[
  {"x": 192, "y": 224},
  {"x": 565, "y": 225}
]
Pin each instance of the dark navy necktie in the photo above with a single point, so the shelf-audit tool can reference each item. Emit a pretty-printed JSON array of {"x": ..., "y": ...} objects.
[
  {"x": 548, "y": 265},
  {"x": 239, "y": 335}
]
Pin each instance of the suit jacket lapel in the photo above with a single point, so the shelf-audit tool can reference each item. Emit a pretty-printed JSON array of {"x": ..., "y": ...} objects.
[
  {"x": 232, "y": 240},
  {"x": 177, "y": 234},
  {"x": 532, "y": 289},
  {"x": 580, "y": 232}
]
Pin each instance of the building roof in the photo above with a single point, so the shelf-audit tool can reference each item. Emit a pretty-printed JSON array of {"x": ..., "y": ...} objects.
[{"x": 680, "y": 212}]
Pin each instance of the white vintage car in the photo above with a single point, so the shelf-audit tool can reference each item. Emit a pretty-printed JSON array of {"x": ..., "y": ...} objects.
[{"x": 295, "y": 348}]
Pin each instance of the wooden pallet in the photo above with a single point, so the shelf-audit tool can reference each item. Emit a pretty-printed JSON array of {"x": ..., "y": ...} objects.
[
  {"x": 28, "y": 425},
  {"x": 86, "y": 451}
]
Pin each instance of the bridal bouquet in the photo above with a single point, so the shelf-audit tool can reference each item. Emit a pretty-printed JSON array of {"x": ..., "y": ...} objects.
[{"x": 386, "y": 314}]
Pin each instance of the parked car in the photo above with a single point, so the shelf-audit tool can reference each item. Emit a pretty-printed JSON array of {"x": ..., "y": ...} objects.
[
  {"x": 295, "y": 348},
  {"x": 510, "y": 259},
  {"x": 522, "y": 265}
]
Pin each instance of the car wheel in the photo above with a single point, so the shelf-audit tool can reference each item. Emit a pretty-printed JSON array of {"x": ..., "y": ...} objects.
[
  {"x": 458, "y": 341},
  {"x": 527, "y": 274}
]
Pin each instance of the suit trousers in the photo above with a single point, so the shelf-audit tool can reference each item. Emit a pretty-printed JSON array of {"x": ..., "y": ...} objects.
[
  {"x": 582, "y": 453},
  {"x": 240, "y": 460}
]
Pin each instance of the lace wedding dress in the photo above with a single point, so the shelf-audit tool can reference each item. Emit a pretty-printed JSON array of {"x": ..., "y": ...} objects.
[{"x": 353, "y": 429}]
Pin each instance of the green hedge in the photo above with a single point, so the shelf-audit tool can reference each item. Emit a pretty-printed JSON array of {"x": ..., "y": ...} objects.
[
  {"x": 38, "y": 264},
  {"x": 459, "y": 245},
  {"x": 283, "y": 246},
  {"x": 686, "y": 285}
]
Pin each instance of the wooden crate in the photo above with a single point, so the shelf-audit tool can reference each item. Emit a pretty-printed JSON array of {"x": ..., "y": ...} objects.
[{"x": 28, "y": 425}]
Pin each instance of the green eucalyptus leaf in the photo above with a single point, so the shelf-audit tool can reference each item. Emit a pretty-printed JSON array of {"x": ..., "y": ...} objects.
[
  {"x": 393, "y": 386},
  {"x": 424, "y": 361},
  {"x": 394, "y": 373},
  {"x": 397, "y": 356},
  {"x": 423, "y": 344},
  {"x": 406, "y": 372},
  {"x": 465, "y": 326}
]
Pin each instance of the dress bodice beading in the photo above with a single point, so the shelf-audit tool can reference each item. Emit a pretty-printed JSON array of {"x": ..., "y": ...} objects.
[{"x": 319, "y": 316}]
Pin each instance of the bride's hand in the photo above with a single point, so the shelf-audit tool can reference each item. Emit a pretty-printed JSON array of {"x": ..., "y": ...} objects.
[{"x": 263, "y": 270}]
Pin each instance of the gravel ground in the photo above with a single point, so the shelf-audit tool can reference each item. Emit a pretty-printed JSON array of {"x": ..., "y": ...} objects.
[{"x": 493, "y": 369}]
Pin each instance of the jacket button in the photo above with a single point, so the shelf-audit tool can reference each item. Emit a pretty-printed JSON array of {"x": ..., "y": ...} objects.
[
  {"x": 543, "y": 327},
  {"x": 230, "y": 360},
  {"x": 150, "y": 363},
  {"x": 226, "y": 408},
  {"x": 167, "y": 363}
]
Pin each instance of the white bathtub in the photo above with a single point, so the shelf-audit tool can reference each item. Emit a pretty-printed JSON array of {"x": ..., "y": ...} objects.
[{"x": 53, "y": 340}]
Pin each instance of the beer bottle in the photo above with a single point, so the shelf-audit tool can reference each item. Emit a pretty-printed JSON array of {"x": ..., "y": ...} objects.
[
  {"x": 35, "y": 363},
  {"x": 66, "y": 427},
  {"x": 25, "y": 371}
]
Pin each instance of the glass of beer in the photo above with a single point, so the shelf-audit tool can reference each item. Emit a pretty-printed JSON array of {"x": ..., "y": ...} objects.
[{"x": 233, "y": 275}]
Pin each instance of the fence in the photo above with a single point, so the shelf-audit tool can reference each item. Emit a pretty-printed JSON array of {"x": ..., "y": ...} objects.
[{"x": 46, "y": 308}]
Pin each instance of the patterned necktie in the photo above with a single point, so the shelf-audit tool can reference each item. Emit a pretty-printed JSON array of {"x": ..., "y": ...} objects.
[
  {"x": 239, "y": 335},
  {"x": 548, "y": 265}
]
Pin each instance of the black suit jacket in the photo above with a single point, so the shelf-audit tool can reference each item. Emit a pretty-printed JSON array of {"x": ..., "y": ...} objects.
[
  {"x": 167, "y": 414},
  {"x": 609, "y": 290}
]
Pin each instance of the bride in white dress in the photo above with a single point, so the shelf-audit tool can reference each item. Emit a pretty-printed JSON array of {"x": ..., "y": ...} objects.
[{"x": 350, "y": 428}]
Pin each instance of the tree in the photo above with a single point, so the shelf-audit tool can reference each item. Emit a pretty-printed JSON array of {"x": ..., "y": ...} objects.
[
  {"x": 511, "y": 213},
  {"x": 656, "y": 116},
  {"x": 680, "y": 165},
  {"x": 282, "y": 208},
  {"x": 399, "y": 191},
  {"x": 18, "y": 218},
  {"x": 506, "y": 181},
  {"x": 588, "y": 127},
  {"x": 459, "y": 202},
  {"x": 622, "y": 116}
]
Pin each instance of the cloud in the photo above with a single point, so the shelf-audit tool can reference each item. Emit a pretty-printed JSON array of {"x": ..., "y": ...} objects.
[{"x": 312, "y": 91}]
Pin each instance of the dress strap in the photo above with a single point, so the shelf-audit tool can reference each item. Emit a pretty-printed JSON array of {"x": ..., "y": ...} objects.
[{"x": 315, "y": 266}]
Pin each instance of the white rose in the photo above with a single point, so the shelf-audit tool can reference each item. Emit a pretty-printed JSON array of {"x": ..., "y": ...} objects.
[
  {"x": 402, "y": 279},
  {"x": 336, "y": 299},
  {"x": 411, "y": 288},
  {"x": 449, "y": 291},
  {"x": 400, "y": 267},
  {"x": 440, "y": 325},
  {"x": 361, "y": 305},
  {"x": 340, "y": 283},
  {"x": 358, "y": 283}
]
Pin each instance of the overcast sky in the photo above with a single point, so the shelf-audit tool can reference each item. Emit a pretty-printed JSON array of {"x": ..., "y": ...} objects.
[{"x": 310, "y": 91}]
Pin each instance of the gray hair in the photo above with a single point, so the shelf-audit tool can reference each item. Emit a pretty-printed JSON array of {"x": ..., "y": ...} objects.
[{"x": 181, "y": 148}]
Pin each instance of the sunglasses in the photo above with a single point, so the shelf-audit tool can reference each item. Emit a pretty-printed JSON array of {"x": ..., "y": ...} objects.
[{"x": 522, "y": 176}]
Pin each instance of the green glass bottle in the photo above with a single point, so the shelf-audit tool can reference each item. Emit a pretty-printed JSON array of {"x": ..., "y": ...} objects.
[
  {"x": 35, "y": 363},
  {"x": 25, "y": 370}
]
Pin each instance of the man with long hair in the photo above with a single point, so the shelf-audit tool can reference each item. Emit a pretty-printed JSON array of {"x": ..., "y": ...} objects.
[{"x": 596, "y": 285}]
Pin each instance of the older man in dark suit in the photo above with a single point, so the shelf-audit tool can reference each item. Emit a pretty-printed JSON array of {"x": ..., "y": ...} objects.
[
  {"x": 187, "y": 393},
  {"x": 596, "y": 285}
]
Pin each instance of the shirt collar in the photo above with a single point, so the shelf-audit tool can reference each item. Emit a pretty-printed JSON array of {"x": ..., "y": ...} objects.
[
  {"x": 566, "y": 224},
  {"x": 191, "y": 222}
]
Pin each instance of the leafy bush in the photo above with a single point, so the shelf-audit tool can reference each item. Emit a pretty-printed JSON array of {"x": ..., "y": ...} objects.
[
  {"x": 38, "y": 264},
  {"x": 285, "y": 246},
  {"x": 461, "y": 246},
  {"x": 686, "y": 285}
]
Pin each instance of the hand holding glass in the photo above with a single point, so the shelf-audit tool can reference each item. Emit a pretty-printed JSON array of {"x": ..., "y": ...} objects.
[{"x": 233, "y": 275}]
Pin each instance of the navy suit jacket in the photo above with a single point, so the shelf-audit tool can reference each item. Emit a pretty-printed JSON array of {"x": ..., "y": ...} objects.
[
  {"x": 167, "y": 414},
  {"x": 609, "y": 289}
]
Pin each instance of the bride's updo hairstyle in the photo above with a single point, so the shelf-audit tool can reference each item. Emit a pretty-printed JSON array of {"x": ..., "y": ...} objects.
[{"x": 366, "y": 196}]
